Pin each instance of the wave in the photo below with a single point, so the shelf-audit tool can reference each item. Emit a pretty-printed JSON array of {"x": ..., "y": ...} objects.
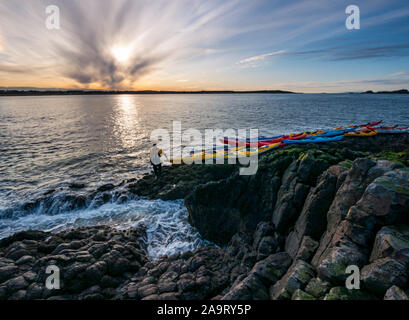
[{"x": 166, "y": 222}]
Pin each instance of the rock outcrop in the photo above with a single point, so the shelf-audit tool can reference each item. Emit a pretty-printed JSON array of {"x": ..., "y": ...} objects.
[{"x": 288, "y": 232}]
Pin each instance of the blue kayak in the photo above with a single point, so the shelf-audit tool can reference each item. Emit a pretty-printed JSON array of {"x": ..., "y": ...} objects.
[
  {"x": 315, "y": 140},
  {"x": 333, "y": 133}
]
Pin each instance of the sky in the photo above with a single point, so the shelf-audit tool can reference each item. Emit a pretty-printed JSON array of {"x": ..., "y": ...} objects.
[{"x": 301, "y": 46}]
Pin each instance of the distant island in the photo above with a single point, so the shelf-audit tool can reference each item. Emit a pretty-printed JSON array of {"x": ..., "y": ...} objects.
[
  {"x": 401, "y": 91},
  {"x": 106, "y": 92},
  {"x": 61, "y": 92}
]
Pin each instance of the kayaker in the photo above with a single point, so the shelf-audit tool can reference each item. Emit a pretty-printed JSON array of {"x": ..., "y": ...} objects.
[{"x": 156, "y": 161}]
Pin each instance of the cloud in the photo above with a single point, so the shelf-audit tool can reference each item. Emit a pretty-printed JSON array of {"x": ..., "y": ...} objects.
[
  {"x": 157, "y": 33},
  {"x": 355, "y": 52},
  {"x": 189, "y": 39},
  {"x": 257, "y": 59}
]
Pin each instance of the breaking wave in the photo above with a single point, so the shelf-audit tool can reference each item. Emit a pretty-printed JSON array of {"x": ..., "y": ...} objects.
[{"x": 166, "y": 222}]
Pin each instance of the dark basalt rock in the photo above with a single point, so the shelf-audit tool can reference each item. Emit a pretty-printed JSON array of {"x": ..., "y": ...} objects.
[
  {"x": 384, "y": 273},
  {"x": 317, "y": 287},
  {"x": 297, "y": 277},
  {"x": 22, "y": 276},
  {"x": 395, "y": 293}
]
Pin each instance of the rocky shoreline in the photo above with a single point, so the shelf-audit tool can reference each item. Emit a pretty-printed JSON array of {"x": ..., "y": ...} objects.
[{"x": 288, "y": 232}]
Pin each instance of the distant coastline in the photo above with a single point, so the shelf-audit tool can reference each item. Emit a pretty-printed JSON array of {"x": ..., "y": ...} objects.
[
  {"x": 110, "y": 92},
  {"x": 57, "y": 92},
  {"x": 401, "y": 91}
]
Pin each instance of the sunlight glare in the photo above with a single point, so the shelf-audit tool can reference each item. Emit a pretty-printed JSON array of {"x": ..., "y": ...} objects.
[{"x": 121, "y": 54}]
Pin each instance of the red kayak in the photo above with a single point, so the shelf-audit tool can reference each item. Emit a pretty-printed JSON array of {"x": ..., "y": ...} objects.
[
  {"x": 264, "y": 142},
  {"x": 371, "y": 124}
]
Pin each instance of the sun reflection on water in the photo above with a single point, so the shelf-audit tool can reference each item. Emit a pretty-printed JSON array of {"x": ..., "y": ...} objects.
[{"x": 127, "y": 128}]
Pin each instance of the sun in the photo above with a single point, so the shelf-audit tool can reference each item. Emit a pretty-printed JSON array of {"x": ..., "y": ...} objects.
[{"x": 121, "y": 54}]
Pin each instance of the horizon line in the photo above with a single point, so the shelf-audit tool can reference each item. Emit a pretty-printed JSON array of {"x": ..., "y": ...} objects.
[{"x": 21, "y": 91}]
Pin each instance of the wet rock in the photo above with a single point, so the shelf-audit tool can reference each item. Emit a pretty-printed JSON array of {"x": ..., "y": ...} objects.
[
  {"x": 268, "y": 245},
  {"x": 76, "y": 185},
  {"x": 187, "y": 282},
  {"x": 383, "y": 273},
  {"x": 264, "y": 229},
  {"x": 119, "y": 266},
  {"x": 297, "y": 277},
  {"x": 347, "y": 195},
  {"x": 34, "y": 291},
  {"x": 301, "y": 295},
  {"x": 106, "y": 187},
  {"x": 290, "y": 200},
  {"x": 251, "y": 288},
  {"x": 391, "y": 241},
  {"x": 95, "y": 272},
  {"x": 263, "y": 274},
  {"x": 342, "y": 254},
  {"x": 109, "y": 282},
  {"x": 167, "y": 287},
  {"x": 7, "y": 272},
  {"x": 318, "y": 288},
  {"x": 24, "y": 235},
  {"x": 16, "y": 284},
  {"x": 92, "y": 293},
  {"x": 307, "y": 249},
  {"x": 30, "y": 276},
  {"x": 169, "y": 296},
  {"x": 351, "y": 237},
  {"x": 312, "y": 220},
  {"x": 17, "y": 253},
  {"x": 342, "y": 293},
  {"x": 25, "y": 260},
  {"x": 19, "y": 295},
  {"x": 147, "y": 290},
  {"x": 395, "y": 293}
]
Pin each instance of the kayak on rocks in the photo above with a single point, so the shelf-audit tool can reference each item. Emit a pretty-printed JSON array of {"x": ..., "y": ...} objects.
[
  {"x": 225, "y": 153},
  {"x": 366, "y": 132},
  {"x": 315, "y": 140},
  {"x": 263, "y": 142}
]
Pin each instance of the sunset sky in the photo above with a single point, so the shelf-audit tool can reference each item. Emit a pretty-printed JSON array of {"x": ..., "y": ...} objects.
[{"x": 211, "y": 45}]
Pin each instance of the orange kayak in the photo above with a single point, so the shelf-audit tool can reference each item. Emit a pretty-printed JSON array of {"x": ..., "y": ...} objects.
[{"x": 367, "y": 132}]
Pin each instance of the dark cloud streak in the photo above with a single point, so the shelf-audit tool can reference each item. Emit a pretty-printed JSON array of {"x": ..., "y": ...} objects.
[{"x": 357, "y": 52}]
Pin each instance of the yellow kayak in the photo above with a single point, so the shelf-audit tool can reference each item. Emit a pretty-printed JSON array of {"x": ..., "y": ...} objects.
[
  {"x": 314, "y": 133},
  {"x": 235, "y": 152},
  {"x": 204, "y": 155},
  {"x": 243, "y": 152},
  {"x": 367, "y": 132}
]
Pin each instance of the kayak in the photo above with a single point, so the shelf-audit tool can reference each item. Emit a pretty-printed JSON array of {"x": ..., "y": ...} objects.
[
  {"x": 248, "y": 152},
  {"x": 201, "y": 155},
  {"x": 370, "y": 124},
  {"x": 226, "y": 153},
  {"x": 387, "y": 128},
  {"x": 367, "y": 132},
  {"x": 315, "y": 140},
  {"x": 333, "y": 133},
  {"x": 263, "y": 142}
]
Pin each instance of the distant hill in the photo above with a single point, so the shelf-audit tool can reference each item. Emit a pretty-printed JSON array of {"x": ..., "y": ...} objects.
[
  {"x": 401, "y": 91},
  {"x": 103, "y": 92}
]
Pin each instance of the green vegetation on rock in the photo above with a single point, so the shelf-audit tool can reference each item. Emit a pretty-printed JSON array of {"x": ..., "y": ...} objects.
[{"x": 398, "y": 157}]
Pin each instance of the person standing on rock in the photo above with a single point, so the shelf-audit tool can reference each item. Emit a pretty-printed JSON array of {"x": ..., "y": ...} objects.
[{"x": 156, "y": 161}]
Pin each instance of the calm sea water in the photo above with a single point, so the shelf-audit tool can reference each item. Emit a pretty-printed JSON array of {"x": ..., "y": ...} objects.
[{"x": 49, "y": 142}]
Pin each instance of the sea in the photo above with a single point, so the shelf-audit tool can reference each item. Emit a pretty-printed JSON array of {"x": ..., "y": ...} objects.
[{"x": 54, "y": 148}]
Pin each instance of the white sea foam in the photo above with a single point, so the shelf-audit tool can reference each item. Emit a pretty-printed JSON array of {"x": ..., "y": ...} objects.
[{"x": 168, "y": 230}]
